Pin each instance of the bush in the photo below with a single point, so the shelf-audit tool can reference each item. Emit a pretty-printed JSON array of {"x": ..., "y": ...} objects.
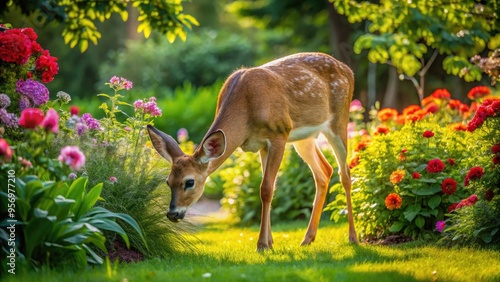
[
  {"x": 120, "y": 155},
  {"x": 241, "y": 176},
  {"x": 475, "y": 221},
  {"x": 157, "y": 64}
]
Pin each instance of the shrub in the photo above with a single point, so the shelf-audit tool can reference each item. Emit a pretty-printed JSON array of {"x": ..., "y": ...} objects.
[
  {"x": 55, "y": 219},
  {"x": 158, "y": 65},
  {"x": 475, "y": 220},
  {"x": 119, "y": 155},
  {"x": 241, "y": 176}
]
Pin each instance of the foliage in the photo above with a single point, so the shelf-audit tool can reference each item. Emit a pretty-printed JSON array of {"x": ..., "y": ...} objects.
[
  {"x": 79, "y": 17},
  {"x": 294, "y": 194},
  {"x": 189, "y": 107},
  {"x": 157, "y": 65},
  {"x": 478, "y": 223},
  {"x": 57, "y": 223},
  {"x": 120, "y": 156},
  {"x": 404, "y": 34},
  {"x": 489, "y": 65},
  {"x": 408, "y": 174}
]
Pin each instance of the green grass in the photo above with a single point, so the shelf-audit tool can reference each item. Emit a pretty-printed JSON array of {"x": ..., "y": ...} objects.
[{"x": 227, "y": 253}]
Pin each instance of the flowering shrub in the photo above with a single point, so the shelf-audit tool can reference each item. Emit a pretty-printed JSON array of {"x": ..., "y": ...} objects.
[
  {"x": 474, "y": 220},
  {"x": 22, "y": 63},
  {"x": 410, "y": 174}
]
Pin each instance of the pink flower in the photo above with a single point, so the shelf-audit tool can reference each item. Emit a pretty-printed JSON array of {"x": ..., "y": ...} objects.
[
  {"x": 114, "y": 80},
  {"x": 31, "y": 118},
  {"x": 113, "y": 179},
  {"x": 440, "y": 225},
  {"x": 72, "y": 156},
  {"x": 355, "y": 106},
  {"x": 5, "y": 150},
  {"x": 182, "y": 135},
  {"x": 51, "y": 121}
]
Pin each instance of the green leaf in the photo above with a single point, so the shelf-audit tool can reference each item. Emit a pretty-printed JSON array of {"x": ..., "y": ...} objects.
[
  {"x": 420, "y": 221},
  {"x": 427, "y": 191},
  {"x": 434, "y": 201},
  {"x": 396, "y": 226},
  {"x": 412, "y": 211},
  {"x": 89, "y": 200}
]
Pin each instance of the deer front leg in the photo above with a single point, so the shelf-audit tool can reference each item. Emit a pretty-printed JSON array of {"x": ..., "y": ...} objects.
[{"x": 271, "y": 157}]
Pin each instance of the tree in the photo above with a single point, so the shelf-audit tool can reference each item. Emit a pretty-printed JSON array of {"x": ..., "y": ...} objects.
[
  {"x": 79, "y": 17},
  {"x": 409, "y": 34}
]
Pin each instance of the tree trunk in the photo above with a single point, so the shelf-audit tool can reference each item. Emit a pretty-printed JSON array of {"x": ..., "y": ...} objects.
[
  {"x": 340, "y": 33},
  {"x": 391, "y": 92},
  {"x": 132, "y": 23}
]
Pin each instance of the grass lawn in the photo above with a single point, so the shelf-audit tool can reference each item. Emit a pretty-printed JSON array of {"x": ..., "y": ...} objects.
[{"x": 228, "y": 253}]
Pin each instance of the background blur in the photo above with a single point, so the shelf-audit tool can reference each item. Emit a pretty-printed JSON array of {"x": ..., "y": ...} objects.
[{"x": 185, "y": 76}]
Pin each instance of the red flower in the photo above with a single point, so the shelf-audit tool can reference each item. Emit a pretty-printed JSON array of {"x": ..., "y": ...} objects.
[
  {"x": 435, "y": 166},
  {"x": 431, "y": 108},
  {"x": 46, "y": 64},
  {"x": 382, "y": 129},
  {"x": 449, "y": 186},
  {"x": 387, "y": 114},
  {"x": 452, "y": 207},
  {"x": 478, "y": 92},
  {"x": 471, "y": 200},
  {"x": 393, "y": 201},
  {"x": 415, "y": 175},
  {"x": 74, "y": 110},
  {"x": 16, "y": 46},
  {"x": 441, "y": 94},
  {"x": 31, "y": 117},
  {"x": 5, "y": 150},
  {"x": 451, "y": 161},
  {"x": 428, "y": 134},
  {"x": 51, "y": 121},
  {"x": 495, "y": 148},
  {"x": 354, "y": 162},
  {"x": 496, "y": 160},
  {"x": 402, "y": 156},
  {"x": 489, "y": 195},
  {"x": 474, "y": 173},
  {"x": 360, "y": 146}
]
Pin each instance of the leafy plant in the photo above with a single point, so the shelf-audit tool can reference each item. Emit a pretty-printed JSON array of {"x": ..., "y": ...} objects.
[
  {"x": 476, "y": 222},
  {"x": 59, "y": 223}
]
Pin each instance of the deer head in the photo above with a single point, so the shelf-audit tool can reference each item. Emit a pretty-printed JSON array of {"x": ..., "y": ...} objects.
[{"x": 189, "y": 172}]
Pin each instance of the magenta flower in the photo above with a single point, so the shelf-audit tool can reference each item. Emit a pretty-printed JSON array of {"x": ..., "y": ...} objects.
[
  {"x": 113, "y": 179},
  {"x": 114, "y": 80},
  {"x": 72, "y": 156},
  {"x": 440, "y": 225},
  {"x": 91, "y": 122},
  {"x": 51, "y": 121}
]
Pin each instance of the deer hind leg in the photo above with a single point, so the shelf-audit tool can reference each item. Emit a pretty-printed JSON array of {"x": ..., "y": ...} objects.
[
  {"x": 339, "y": 144},
  {"x": 322, "y": 171},
  {"x": 271, "y": 157}
]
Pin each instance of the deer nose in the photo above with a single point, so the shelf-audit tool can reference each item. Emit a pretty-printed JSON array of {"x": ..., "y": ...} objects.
[{"x": 175, "y": 216}]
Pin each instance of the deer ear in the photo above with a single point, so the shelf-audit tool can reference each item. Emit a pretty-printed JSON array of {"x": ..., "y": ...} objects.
[
  {"x": 212, "y": 147},
  {"x": 164, "y": 144}
]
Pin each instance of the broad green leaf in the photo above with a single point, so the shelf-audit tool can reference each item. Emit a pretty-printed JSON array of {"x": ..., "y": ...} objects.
[
  {"x": 89, "y": 200},
  {"x": 412, "y": 211},
  {"x": 396, "y": 226},
  {"x": 420, "y": 221},
  {"x": 434, "y": 201}
]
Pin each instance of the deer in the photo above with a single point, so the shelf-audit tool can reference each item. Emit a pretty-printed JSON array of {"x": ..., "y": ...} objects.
[{"x": 261, "y": 109}]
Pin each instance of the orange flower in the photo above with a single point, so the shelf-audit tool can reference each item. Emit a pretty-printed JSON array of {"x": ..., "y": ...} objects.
[
  {"x": 397, "y": 176},
  {"x": 411, "y": 109},
  {"x": 427, "y": 100},
  {"x": 458, "y": 126},
  {"x": 393, "y": 201},
  {"x": 387, "y": 114},
  {"x": 360, "y": 146}
]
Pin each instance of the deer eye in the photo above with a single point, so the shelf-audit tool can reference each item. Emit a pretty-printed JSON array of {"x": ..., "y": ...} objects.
[{"x": 189, "y": 184}]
